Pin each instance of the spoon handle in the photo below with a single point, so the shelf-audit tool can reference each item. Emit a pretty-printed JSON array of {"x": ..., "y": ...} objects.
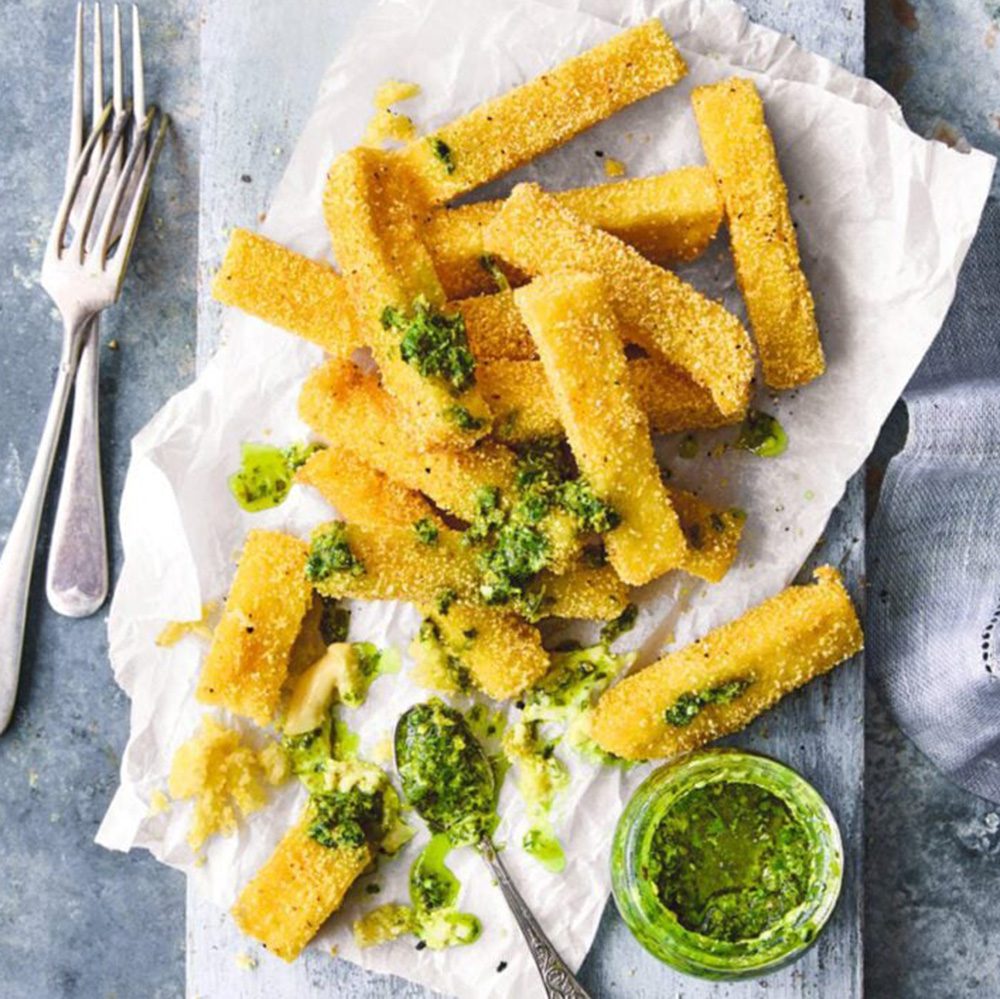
[{"x": 556, "y": 977}]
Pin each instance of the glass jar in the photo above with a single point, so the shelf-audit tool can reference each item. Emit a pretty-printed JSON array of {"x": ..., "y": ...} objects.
[{"x": 658, "y": 929}]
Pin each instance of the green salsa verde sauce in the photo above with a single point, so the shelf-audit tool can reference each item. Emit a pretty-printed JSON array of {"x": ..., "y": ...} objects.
[
  {"x": 266, "y": 473},
  {"x": 729, "y": 860}
]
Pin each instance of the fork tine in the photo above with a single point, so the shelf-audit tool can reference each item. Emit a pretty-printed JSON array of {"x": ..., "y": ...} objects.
[
  {"x": 116, "y": 24},
  {"x": 141, "y": 193},
  {"x": 76, "y": 115},
  {"x": 138, "y": 82},
  {"x": 98, "y": 179},
  {"x": 127, "y": 184},
  {"x": 58, "y": 233},
  {"x": 97, "y": 70}
]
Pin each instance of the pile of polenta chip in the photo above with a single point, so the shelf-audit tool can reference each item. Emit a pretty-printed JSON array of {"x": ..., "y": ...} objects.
[{"x": 495, "y": 466}]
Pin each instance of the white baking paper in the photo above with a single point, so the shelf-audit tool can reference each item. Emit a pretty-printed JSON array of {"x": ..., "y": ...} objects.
[{"x": 884, "y": 221}]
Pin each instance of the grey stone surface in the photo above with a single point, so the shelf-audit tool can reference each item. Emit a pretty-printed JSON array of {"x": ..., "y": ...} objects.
[{"x": 77, "y": 921}]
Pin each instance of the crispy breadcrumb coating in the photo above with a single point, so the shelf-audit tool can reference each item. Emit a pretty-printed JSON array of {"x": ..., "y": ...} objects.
[
  {"x": 577, "y": 335},
  {"x": 509, "y": 130},
  {"x": 740, "y": 152},
  {"x": 370, "y": 212},
  {"x": 713, "y": 535},
  {"x": 247, "y": 662},
  {"x": 524, "y": 409},
  {"x": 754, "y": 661},
  {"x": 288, "y": 290},
  {"x": 299, "y": 887},
  {"x": 668, "y": 218},
  {"x": 360, "y": 493},
  {"x": 350, "y": 410},
  {"x": 656, "y": 309}
]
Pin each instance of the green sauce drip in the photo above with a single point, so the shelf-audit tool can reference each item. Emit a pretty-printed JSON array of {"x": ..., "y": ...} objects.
[
  {"x": 729, "y": 860},
  {"x": 489, "y": 264},
  {"x": 688, "y": 706},
  {"x": 426, "y": 531},
  {"x": 346, "y": 742},
  {"x": 625, "y": 622},
  {"x": 330, "y": 553},
  {"x": 463, "y": 419},
  {"x": 542, "y": 844},
  {"x": 442, "y": 153},
  {"x": 762, "y": 434},
  {"x": 435, "y": 343},
  {"x": 334, "y": 621},
  {"x": 266, "y": 473}
]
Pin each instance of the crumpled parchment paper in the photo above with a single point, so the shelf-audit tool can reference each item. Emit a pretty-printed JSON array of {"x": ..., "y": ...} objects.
[{"x": 884, "y": 220}]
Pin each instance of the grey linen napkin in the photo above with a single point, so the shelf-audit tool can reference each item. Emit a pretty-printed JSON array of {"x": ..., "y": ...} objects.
[{"x": 933, "y": 632}]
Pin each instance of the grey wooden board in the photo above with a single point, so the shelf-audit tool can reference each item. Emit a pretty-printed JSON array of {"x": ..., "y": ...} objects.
[{"x": 254, "y": 102}]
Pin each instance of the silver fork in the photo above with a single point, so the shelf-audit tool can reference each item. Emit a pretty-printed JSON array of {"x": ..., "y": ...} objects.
[
  {"x": 76, "y": 581},
  {"x": 82, "y": 271}
]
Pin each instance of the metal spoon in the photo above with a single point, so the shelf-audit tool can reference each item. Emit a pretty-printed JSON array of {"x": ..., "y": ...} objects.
[{"x": 558, "y": 980}]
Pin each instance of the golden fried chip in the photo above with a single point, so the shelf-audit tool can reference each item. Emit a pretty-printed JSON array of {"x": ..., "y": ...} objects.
[
  {"x": 657, "y": 310},
  {"x": 300, "y": 886},
  {"x": 248, "y": 659},
  {"x": 524, "y": 409},
  {"x": 362, "y": 494},
  {"x": 668, "y": 218},
  {"x": 577, "y": 335},
  {"x": 501, "y": 652},
  {"x": 713, "y": 535},
  {"x": 509, "y": 130},
  {"x": 740, "y": 152},
  {"x": 718, "y": 684},
  {"x": 350, "y": 410},
  {"x": 286, "y": 289},
  {"x": 421, "y": 350}
]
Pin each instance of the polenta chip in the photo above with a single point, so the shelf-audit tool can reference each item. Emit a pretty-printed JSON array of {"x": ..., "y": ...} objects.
[
  {"x": 509, "y": 130},
  {"x": 288, "y": 290},
  {"x": 349, "y": 408},
  {"x": 524, "y": 409},
  {"x": 668, "y": 218},
  {"x": 247, "y": 662},
  {"x": 656, "y": 308},
  {"x": 719, "y": 683},
  {"x": 577, "y": 336},
  {"x": 740, "y": 151},
  {"x": 302, "y": 884},
  {"x": 420, "y": 347},
  {"x": 362, "y": 494}
]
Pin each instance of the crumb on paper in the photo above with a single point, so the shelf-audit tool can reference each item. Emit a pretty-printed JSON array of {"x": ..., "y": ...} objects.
[
  {"x": 245, "y": 961},
  {"x": 613, "y": 167},
  {"x": 158, "y": 803},
  {"x": 32, "y": 778},
  {"x": 387, "y": 125},
  {"x": 334, "y": 950},
  {"x": 223, "y": 775},
  {"x": 174, "y": 631}
]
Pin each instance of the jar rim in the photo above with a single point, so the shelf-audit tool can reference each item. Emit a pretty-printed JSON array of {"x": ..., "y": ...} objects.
[{"x": 658, "y": 929}]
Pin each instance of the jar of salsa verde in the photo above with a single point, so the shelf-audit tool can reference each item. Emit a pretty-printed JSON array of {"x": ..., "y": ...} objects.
[{"x": 726, "y": 864}]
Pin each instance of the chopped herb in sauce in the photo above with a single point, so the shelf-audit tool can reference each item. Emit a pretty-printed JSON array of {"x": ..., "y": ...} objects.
[
  {"x": 688, "y": 706},
  {"x": 334, "y": 621},
  {"x": 438, "y": 666},
  {"x": 762, "y": 434},
  {"x": 346, "y": 818},
  {"x": 625, "y": 622},
  {"x": 442, "y": 152},
  {"x": 730, "y": 860},
  {"x": 426, "y": 531},
  {"x": 489, "y": 264},
  {"x": 330, "y": 553},
  {"x": 444, "y": 600},
  {"x": 266, "y": 473},
  {"x": 445, "y": 773},
  {"x": 434, "y": 342},
  {"x": 462, "y": 418}
]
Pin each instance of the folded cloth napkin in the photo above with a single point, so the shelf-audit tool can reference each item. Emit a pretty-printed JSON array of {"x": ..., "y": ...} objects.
[{"x": 934, "y": 544}]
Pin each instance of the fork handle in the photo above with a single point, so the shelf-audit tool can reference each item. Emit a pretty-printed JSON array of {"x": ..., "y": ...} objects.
[
  {"x": 17, "y": 559},
  {"x": 76, "y": 581}
]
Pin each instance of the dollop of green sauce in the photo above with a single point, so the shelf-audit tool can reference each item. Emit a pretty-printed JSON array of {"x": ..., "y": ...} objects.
[
  {"x": 330, "y": 552},
  {"x": 542, "y": 844},
  {"x": 688, "y": 706},
  {"x": 729, "y": 860},
  {"x": 762, "y": 434},
  {"x": 445, "y": 773},
  {"x": 266, "y": 473},
  {"x": 435, "y": 343}
]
